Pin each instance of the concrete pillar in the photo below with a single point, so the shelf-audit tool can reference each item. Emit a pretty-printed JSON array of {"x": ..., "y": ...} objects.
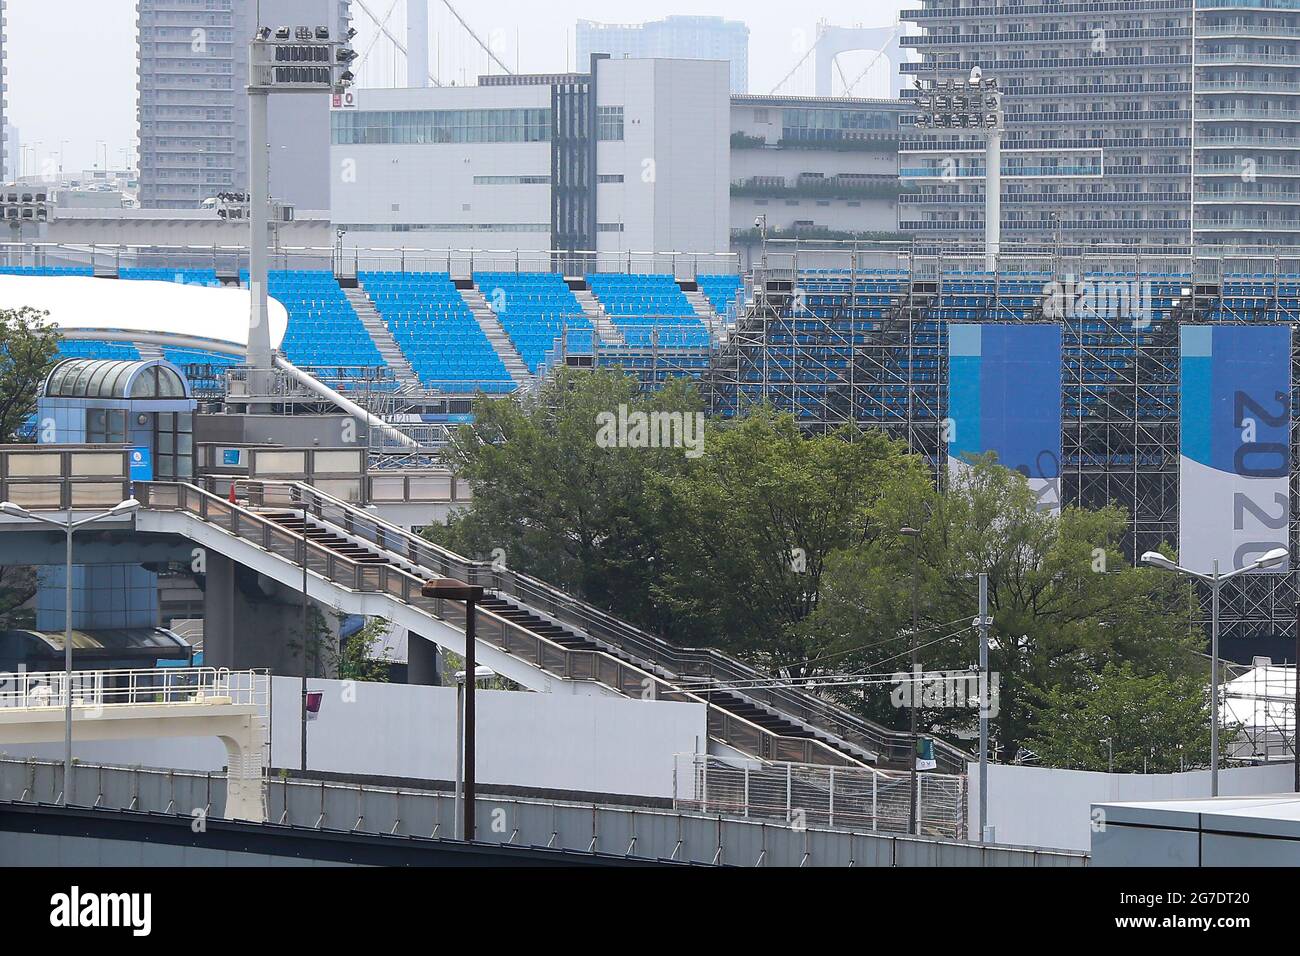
[
  {"x": 219, "y": 611},
  {"x": 421, "y": 660}
]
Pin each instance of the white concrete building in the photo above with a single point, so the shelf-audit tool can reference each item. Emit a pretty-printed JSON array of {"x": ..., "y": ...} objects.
[{"x": 633, "y": 156}]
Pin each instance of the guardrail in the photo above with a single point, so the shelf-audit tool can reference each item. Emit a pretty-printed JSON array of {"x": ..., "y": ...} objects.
[
  {"x": 646, "y": 833},
  {"x": 107, "y": 258},
  {"x": 805, "y": 795},
  {"x": 57, "y": 477},
  {"x": 34, "y": 690},
  {"x": 874, "y": 742}
]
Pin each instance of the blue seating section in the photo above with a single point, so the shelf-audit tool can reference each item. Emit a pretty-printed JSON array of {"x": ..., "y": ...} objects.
[
  {"x": 324, "y": 332},
  {"x": 643, "y": 305},
  {"x": 722, "y": 292},
  {"x": 83, "y": 348},
  {"x": 204, "y": 277},
  {"x": 436, "y": 331},
  {"x": 46, "y": 271},
  {"x": 535, "y": 309},
  {"x": 1103, "y": 348},
  {"x": 654, "y": 367},
  {"x": 818, "y": 342}
]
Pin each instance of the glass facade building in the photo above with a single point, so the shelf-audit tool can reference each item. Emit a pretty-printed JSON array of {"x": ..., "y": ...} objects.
[{"x": 683, "y": 38}]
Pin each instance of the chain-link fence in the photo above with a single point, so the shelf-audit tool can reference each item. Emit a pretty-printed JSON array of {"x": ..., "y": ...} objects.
[{"x": 809, "y": 795}]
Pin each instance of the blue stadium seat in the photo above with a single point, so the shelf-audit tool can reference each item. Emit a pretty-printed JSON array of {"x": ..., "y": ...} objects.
[
  {"x": 324, "y": 333},
  {"x": 649, "y": 309},
  {"x": 46, "y": 271},
  {"x": 436, "y": 331},
  {"x": 203, "y": 277},
  {"x": 535, "y": 309}
]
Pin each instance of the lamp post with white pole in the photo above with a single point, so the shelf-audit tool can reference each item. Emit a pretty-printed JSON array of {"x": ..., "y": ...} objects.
[
  {"x": 1270, "y": 559},
  {"x": 68, "y": 525}
]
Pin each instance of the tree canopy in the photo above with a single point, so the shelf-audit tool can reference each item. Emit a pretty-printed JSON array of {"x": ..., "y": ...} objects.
[
  {"x": 27, "y": 348},
  {"x": 787, "y": 549}
]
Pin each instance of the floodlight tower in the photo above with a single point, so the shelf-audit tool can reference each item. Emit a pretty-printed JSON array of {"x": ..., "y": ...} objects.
[
  {"x": 297, "y": 59},
  {"x": 974, "y": 105}
]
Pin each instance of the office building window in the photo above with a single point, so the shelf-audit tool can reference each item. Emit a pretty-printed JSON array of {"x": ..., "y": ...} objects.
[
  {"x": 609, "y": 123},
  {"x": 422, "y": 127}
]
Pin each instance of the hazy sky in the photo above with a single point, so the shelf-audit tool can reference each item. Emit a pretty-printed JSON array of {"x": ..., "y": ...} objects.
[{"x": 72, "y": 62}]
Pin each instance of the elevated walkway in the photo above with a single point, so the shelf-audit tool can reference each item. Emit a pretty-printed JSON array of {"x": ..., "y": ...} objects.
[
  {"x": 528, "y": 631},
  {"x": 139, "y": 704},
  {"x": 304, "y": 808}
]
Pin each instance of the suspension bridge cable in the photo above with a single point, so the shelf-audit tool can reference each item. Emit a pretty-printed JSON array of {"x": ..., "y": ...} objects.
[{"x": 470, "y": 31}]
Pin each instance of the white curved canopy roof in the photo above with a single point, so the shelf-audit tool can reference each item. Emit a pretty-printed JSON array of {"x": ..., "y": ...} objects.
[{"x": 129, "y": 310}]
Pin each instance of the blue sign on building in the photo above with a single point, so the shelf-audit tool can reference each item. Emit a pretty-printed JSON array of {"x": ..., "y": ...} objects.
[{"x": 141, "y": 463}]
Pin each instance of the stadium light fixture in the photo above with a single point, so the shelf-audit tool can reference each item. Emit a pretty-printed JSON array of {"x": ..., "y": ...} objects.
[
  {"x": 973, "y": 105},
  {"x": 1269, "y": 559}
]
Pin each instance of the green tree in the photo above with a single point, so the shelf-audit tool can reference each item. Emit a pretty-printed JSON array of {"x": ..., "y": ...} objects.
[
  {"x": 750, "y": 525},
  {"x": 552, "y": 500},
  {"x": 1064, "y": 600},
  {"x": 17, "y": 588},
  {"x": 1137, "y": 723},
  {"x": 360, "y": 657},
  {"x": 27, "y": 348}
]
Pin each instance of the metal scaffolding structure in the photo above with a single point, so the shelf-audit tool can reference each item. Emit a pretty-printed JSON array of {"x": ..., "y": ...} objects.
[{"x": 857, "y": 333}]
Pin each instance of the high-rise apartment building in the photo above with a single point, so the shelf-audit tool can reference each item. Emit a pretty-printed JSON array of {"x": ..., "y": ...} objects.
[
  {"x": 8, "y": 144},
  {"x": 193, "y": 108},
  {"x": 1101, "y": 126},
  {"x": 680, "y": 38}
]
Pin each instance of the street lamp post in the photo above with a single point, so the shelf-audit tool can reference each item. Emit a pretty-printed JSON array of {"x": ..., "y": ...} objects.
[
  {"x": 983, "y": 622},
  {"x": 449, "y": 589},
  {"x": 912, "y": 815},
  {"x": 68, "y": 526},
  {"x": 1270, "y": 559},
  {"x": 480, "y": 673}
]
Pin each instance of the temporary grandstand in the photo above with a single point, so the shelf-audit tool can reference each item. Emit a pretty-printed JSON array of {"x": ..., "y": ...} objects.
[{"x": 830, "y": 332}]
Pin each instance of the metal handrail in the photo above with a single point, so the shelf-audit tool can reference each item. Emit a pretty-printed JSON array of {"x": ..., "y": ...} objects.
[
  {"x": 115, "y": 687},
  {"x": 873, "y": 741},
  {"x": 597, "y": 666}
]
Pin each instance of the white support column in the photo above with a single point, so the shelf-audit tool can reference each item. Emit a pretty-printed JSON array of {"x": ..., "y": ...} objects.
[
  {"x": 992, "y": 199},
  {"x": 417, "y": 43},
  {"x": 259, "y": 330}
]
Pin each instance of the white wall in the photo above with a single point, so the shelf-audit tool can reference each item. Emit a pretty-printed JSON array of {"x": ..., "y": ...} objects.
[
  {"x": 434, "y": 183},
  {"x": 675, "y": 161},
  {"x": 675, "y": 156},
  {"x": 548, "y": 741},
  {"x": 1042, "y": 806}
]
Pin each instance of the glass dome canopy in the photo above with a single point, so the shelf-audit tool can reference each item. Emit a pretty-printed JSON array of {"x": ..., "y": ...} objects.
[{"x": 115, "y": 379}]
